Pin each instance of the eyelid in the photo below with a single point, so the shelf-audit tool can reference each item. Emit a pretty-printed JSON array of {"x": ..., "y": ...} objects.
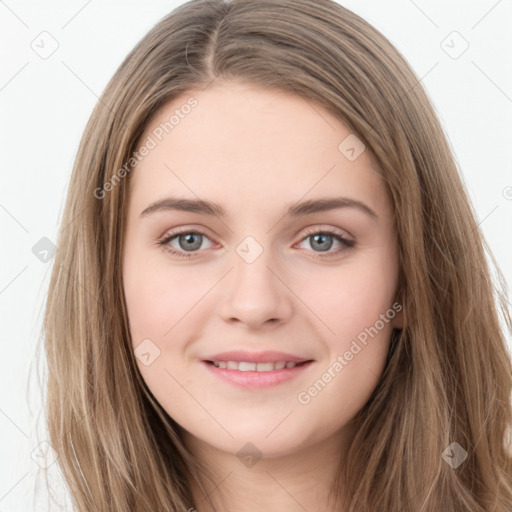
[
  {"x": 324, "y": 228},
  {"x": 190, "y": 228}
]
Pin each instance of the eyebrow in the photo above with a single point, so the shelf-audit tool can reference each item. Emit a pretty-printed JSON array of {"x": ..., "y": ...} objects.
[{"x": 295, "y": 210}]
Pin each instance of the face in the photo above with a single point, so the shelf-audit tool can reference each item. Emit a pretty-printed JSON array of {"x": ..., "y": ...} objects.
[{"x": 316, "y": 282}]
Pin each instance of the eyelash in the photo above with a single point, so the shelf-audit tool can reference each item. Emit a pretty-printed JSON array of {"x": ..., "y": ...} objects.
[{"x": 170, "y": 236}]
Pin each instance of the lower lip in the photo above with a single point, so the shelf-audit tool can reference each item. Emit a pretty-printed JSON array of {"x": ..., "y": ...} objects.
[{"x": 257, "y": 380}]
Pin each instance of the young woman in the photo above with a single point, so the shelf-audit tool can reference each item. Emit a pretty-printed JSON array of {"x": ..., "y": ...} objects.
[{"x": 270, "y": 291}]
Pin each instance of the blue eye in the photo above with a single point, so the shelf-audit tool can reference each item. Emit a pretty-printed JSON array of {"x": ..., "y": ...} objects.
[
  {"x": 190, "y": 242},
  {"x": 187, "y": 240},
  {"x": 323, "y": 240}
]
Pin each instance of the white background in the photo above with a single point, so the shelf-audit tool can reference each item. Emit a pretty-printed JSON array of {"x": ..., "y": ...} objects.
[{"x": 45, "y": 104}]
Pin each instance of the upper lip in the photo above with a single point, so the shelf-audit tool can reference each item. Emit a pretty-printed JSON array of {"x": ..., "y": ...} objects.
[{"x": 268, "y": 356}]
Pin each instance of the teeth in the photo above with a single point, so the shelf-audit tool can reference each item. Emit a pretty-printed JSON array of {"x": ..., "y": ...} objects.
[{"x": 244, "y": 366}]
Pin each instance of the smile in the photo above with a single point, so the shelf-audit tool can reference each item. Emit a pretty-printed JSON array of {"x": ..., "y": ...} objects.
[
  {"x": 245, "y": 366},
  {"x": 249, "y": 375}
]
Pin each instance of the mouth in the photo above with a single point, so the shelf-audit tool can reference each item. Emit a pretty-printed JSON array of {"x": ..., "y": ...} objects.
[
  {"x": 247, "y": 366},
  {"x": 253, "y": 376}
]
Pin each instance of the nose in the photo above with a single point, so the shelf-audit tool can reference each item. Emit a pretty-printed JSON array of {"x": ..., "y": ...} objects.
[{"x": 256, "y": 294}]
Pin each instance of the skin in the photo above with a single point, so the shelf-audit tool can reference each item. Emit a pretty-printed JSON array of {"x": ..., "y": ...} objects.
[{"x": 256, "y": 151}]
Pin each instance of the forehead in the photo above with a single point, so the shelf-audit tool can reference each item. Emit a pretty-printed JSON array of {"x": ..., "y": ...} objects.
[{"x": 238, "y": 142}]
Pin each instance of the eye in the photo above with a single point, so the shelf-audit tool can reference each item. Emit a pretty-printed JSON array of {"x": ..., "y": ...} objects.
[
  {"x": 322, "y": 239},
  {"x": 188, "y": 242}
]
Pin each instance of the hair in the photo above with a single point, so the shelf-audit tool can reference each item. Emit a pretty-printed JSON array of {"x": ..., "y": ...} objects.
[{"x": 448, "y": 373}]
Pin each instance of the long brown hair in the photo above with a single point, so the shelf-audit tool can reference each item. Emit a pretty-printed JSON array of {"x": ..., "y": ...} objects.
[{"x": 448, "y": 376}]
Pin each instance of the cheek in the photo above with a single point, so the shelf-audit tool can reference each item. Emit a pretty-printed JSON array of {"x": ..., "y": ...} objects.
[
  {"x": 357, "y": 308},
  {"x": 159, "y": 302},
  {"x": 158, "y": 296},
  {"x": 352, "y": 297}
]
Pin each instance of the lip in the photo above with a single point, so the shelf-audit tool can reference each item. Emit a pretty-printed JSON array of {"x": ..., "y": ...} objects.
[
  {"x": 255, "y": 379},
  {"x": 267, "y": 356}
]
